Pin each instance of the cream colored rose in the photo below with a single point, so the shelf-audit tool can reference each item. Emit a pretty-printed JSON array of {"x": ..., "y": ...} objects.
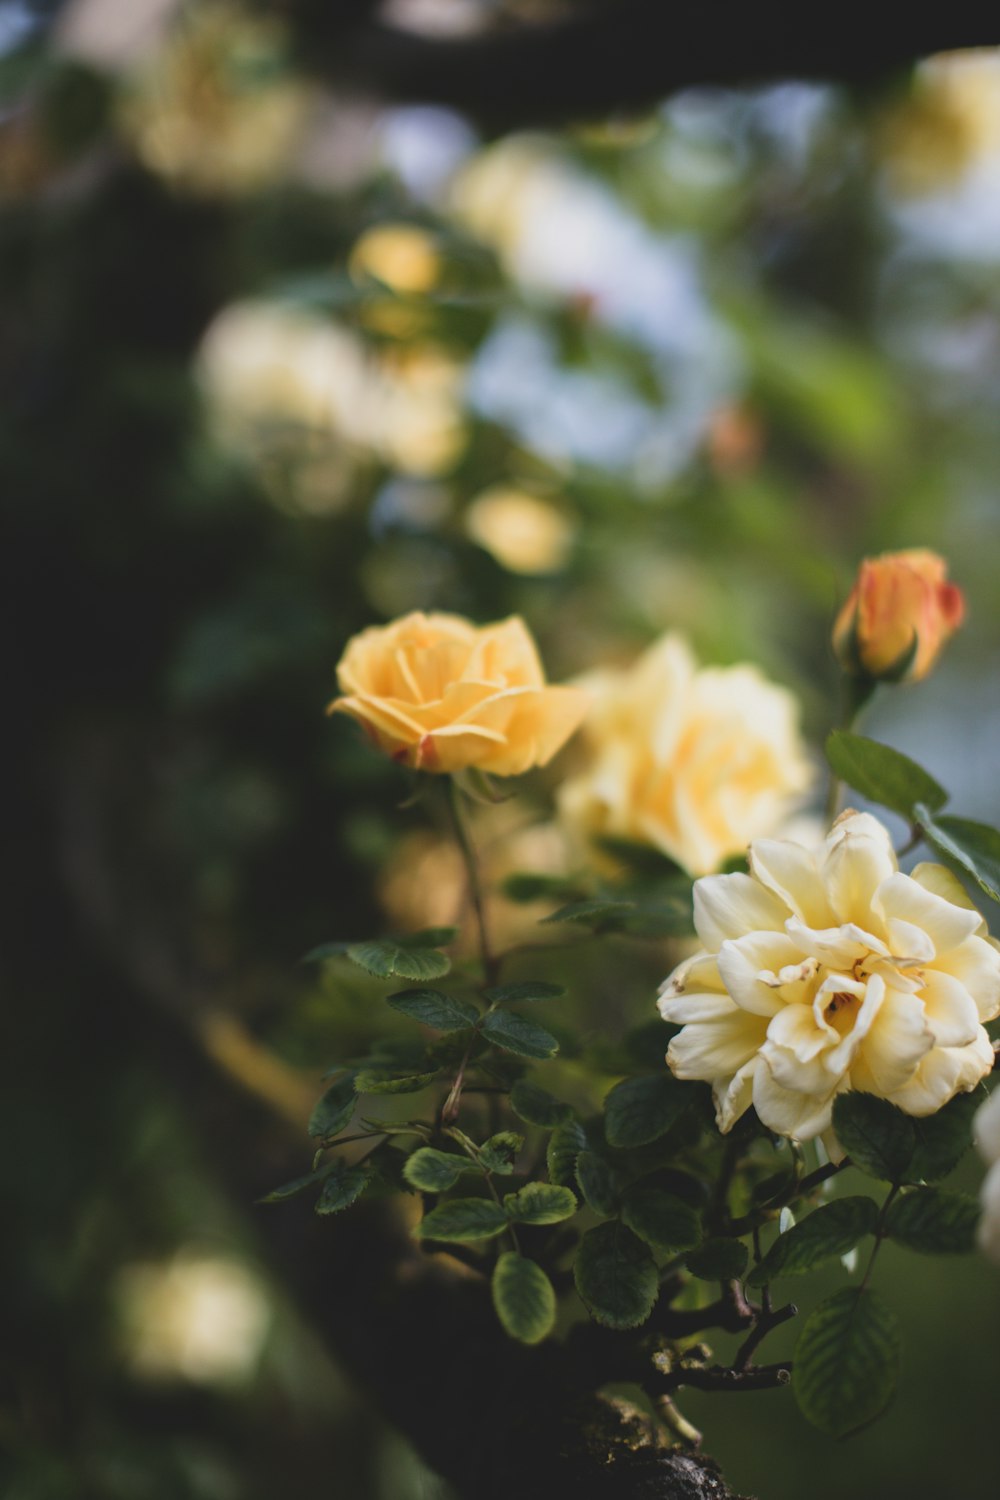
[
  {"x": 694, "y": 761},
  {"x": 441, "y": 694},
  {"x": 833, "y": 971}
]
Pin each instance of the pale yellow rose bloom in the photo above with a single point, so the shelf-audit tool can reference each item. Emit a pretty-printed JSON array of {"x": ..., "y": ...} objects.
[
  {"x": 438, "y": 693},
  {"x": 695, "y": 761},
  {"x": 217, "y": 110},
  {"x": 828, "y": 971}
]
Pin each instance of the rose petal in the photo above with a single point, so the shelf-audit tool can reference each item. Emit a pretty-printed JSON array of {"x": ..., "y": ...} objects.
[
  {"x": 801, "y": 1116},
  {"x": 950, "y": 1010},
  {"x": 894, "y": 1046},
  {"x": 906, "y": 906},
  {"x": 976, "y": 965},
  {"x": 717, "y": 1048},
  {"x": 859, "y": 857},
  {"x": 790, "y": 872},
  {"x": 944, "y": 1072},
  {"x": 744, "y": 961},
  {"x": 730, "y": 906}
]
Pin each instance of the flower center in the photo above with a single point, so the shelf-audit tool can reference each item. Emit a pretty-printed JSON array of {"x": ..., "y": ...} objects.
[{"x": 841, "y": 1010}]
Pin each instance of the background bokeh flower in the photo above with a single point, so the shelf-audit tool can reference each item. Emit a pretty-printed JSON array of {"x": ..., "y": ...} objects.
[{"x": 694, "y": 760}]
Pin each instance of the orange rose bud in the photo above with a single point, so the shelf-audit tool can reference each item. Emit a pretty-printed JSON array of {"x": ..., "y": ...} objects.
[
  {"x": 898, "y": 616},
  {"x": 437, "y": 693}
]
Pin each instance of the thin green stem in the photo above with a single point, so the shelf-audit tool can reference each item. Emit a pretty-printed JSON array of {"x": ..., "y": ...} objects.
[
  {"x": 855, "y": 695},
  {"x": 474, "y": 880},
  {"x": 879, "y": 1235},
  {"x": 472, "y": 1150}
]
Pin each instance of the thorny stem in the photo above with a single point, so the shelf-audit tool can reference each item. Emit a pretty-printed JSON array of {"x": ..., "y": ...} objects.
[
  {"x": 767, "y": 1319},
  {"x": 822, "y": 1174},
  {"x": 722, "y": 1378},
  {"x": 809, "y": 1184}
]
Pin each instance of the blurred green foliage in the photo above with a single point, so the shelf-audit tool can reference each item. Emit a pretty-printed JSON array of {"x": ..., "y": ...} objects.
[{"x": 718, "y": 343}]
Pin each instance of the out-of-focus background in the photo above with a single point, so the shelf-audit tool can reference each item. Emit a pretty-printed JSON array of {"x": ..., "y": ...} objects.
[{"x": 279, "y": 360}]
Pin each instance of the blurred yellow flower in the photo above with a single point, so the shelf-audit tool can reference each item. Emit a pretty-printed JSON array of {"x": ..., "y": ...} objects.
[
  {"x": 833, "y": 971},
  {"x": 523, "y": 533},
  {"x": 276, "y": 377},
  {"x": 438, "y": 693},
  {"x": 216, "y": 111},
  {"x": 898, "y": 617},
  {"x": 401, "y": 256},
  {"x": 696, "y": 761},
  {"x": 949, "y": 119}
]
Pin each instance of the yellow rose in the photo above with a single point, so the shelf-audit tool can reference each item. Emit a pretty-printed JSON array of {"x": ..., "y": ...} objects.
[
  {"x": 695, "y": 761},
  {"x": 441, "y": 694},
  {"x": 833, "y": 971},
  {"x": 898, "y": 616}
]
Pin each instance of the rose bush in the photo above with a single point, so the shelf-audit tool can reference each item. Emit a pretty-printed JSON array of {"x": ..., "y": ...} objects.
[
  {"x": 438, "y": 693},
  {"x": 827, "y": 972},
  {"x": 898, "y": 616},
  {"x": 696, "y": 761}
]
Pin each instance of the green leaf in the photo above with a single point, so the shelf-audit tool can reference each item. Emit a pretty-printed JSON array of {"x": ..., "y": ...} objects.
[
  {"x": 537, "y": 1107},
  {"x": 435, "y": 1171},
  {"x": 972, "y": 848},
  {"x": 513, "y": 1033},
  {"x": 942, "y": 1139},
  {"x": 324, "y": 951},
  {"x": 660, "y": 1219},
  {"x": 525, "y": 989},
  {"x": 826, "y": 1233},
  {"x": 431, "y": 937},
  {"x": 616, "y": 1276},
  {"x": 462, "y": 1219},
  {"x": 718, "y": 1259},
  {"x": 844, "y": 1373},
  {"x": 299, "y": 1184},
  {"x": 565, "y": 1144},
  {"x": 334, "y": 1110},
  {"x": 383, "y": 1081},
  {"x": 412, "y": 957},
  {"x": 934, "y": 1221},
  {"x": 595, "y": 914},
  {"x": 523, "y": 1297},
  {"x": 540, "y": 1203},
  {"x": 525, "y": 886},
  {"x": 432, "y": 1008},
  {"x": 878, "y": 1137},
  {"x": 342, "y": 1187},
  {"x": 640, "y": 1110},
  {"x": 883, "y": 775},
  {"x": 499, "y": 1153},
  {"x": 597, "y": 1183}
]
